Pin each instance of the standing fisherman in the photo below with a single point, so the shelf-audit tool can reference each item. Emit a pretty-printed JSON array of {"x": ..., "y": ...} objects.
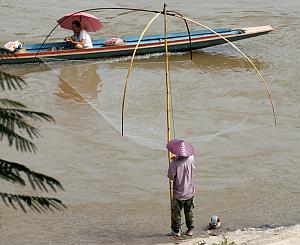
[{"x": 181, "y": 171}]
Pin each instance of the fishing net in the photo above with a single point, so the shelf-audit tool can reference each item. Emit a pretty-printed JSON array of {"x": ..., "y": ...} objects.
[{"x": 212, "y": 96}]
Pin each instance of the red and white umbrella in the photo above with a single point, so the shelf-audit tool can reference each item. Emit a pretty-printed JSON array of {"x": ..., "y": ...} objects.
[{"x": 89, "y": 22}]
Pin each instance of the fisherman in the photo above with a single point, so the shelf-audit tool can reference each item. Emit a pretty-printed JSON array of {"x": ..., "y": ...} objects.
[
  {"x": 81, "y": 39},
  {"x": 181, "y": 171}
]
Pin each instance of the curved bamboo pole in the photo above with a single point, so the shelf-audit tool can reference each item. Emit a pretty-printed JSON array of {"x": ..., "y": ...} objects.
[
  {"x": 130, "y": 66},
  {"x": 245, "y": 56},
  {"x": 188, "y": 30},
  {"x": 168, "y": 103}
]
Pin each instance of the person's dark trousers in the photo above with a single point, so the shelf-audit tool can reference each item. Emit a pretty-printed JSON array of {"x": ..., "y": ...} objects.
[{"x": 187, "y": 206}]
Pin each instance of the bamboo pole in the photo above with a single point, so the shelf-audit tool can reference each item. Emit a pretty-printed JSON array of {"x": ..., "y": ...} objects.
[
  {"x": 167, "y": 88},
  {"x": 130, "y": 67},
  {"x": 168, "y": 103},
  {"x": 245, "y": 56}
]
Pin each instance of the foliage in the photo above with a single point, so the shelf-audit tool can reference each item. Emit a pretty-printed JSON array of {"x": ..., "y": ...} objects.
[
  {"x": 225, "y": 242},
  {"x": 15, "y": 127}
]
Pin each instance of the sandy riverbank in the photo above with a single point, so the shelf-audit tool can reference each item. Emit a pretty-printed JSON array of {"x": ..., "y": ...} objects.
[{"x": 275, "y": 236}]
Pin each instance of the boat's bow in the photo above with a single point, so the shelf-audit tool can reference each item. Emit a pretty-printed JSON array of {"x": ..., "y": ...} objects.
[{"x": 258, "y": 29}]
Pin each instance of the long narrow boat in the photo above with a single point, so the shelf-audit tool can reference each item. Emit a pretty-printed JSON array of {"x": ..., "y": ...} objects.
[{"x": 177, "y": 42}]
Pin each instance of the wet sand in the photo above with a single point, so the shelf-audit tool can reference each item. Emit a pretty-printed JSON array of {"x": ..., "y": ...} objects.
[{"x": 251, "y": 236}]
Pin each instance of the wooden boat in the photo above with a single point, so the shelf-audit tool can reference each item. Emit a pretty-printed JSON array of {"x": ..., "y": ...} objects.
[{"x": 177, "y": 42}]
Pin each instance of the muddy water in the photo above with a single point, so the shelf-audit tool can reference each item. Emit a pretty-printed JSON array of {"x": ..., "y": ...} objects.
[{"x": 116, "y": 190}]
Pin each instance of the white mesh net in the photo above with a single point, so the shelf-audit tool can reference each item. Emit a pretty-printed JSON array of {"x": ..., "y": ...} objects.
[{"x": 210, "y": 96}]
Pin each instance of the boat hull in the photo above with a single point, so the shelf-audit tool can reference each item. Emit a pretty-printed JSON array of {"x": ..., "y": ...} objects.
[{"x": 177, "y": 44}]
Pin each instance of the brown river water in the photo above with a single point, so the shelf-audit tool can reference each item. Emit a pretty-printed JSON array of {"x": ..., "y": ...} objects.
[{"x": 116, "y": 190}]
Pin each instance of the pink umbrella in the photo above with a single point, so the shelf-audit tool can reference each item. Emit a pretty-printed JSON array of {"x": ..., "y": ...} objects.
[{"x": 89, "y": 22}]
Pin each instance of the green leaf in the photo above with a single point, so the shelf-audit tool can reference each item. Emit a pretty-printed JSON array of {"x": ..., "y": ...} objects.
[
  {"x": 13, "y": 124},
  {"x": 10, "y": 171},
  {"x": 10, "y": 120},
  {"x": 10, "y": 176},
  {"x": 35, "y": 203},
  {"x": 19, "y": 141},
  {"x": 225, "y": 242},
  {"x": 28, "y": 114},
  {"x": 8, "y": 81},
  {"x": 11, "y": 103}
]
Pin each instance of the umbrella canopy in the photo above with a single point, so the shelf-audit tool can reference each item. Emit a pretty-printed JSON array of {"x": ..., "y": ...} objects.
[
  {"x": 180, "y": 148},
  {"x": 89, "y": 22}
]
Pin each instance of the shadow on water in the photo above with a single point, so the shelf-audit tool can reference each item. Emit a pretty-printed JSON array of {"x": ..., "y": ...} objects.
[
  {"x": 203, "y": 60},
  {"x": 76, "y": 82}
]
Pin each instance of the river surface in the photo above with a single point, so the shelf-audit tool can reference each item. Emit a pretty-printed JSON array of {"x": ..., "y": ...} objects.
[{"x": 116, "y": 190}]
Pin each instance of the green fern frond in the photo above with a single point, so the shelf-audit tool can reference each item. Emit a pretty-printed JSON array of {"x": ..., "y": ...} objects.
[
  {"x": 11, "y": 103},
  {"x": 35, "y": 203},
  {"x": 11, "y": 120},
  {"x": 34, "y": 115},
  {"x": 13, "y": 125},
  {"x": 15, "y": 118},
  {"x": 19, "y": 141},
  {"x": 11, "y": 172},
  {"x": 8, "y": 81},
  {"x": 10, "y": 175}
]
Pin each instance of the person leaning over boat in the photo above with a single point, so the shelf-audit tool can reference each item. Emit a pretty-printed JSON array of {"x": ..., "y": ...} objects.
[
  {"x": 181, "y": 171},
  {"x": 81, "y": 39}
]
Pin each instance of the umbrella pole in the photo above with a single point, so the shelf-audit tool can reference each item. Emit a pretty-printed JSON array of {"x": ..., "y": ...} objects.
[{"x": 168, "y": 103}]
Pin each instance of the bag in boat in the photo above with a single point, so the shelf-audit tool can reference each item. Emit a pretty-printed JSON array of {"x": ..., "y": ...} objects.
[
  {"x": 114, "y": 41},
  {"x": 13, "y": 47}
]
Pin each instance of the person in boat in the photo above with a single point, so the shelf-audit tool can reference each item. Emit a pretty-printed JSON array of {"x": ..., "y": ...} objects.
[
  {"x": 81, "y": 39},
  {"x": 181, "y": 171}
]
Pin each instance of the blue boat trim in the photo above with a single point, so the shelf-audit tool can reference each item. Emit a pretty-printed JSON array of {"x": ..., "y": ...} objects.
[
  {"x": 178, "y": 42},
  {"x": 131, "y": 40}
]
